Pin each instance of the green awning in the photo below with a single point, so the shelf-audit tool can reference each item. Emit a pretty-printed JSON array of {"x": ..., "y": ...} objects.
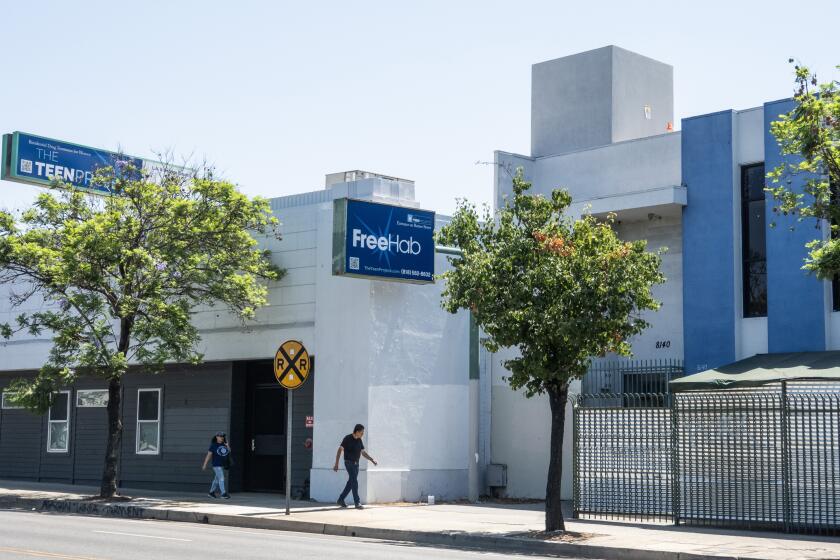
[{"x": 763, "y": 369}]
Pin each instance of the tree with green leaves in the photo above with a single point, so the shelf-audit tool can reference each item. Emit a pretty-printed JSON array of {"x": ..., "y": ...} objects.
[
  {"x": 559, "y": 290},
  {"x": 810, "y": 135},
  {"x": 121, "y": 276}
]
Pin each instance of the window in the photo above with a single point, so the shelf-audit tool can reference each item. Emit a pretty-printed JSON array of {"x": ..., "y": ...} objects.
[
  {"x": 754, "y": 240},
  {"x": 834, "y": 188},
  {"x": 58, "y": 422},
  {"x": 7, "y": 401},
  {"x": 148, "y": 421},
  {"x": 92, "y": 398}
]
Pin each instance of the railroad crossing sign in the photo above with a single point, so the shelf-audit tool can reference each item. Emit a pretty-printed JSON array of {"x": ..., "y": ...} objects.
[{"x": 292, "y": 364}]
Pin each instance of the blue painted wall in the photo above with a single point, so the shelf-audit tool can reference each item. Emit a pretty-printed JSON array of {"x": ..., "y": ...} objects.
[
  {"x": 795, "y": 299},
  {"x": 708, "y": 242}
]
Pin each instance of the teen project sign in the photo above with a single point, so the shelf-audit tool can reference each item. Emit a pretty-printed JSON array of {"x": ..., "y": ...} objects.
[
  {"x": 381, "y": 241},
  {"x": 42, "y": 161}
]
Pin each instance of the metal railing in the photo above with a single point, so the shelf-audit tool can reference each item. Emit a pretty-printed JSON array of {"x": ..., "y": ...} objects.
[
  {"x": 622, "y": 458},
  {"x": 629, "y": 377},
  {"x": 756, "y": 459}
]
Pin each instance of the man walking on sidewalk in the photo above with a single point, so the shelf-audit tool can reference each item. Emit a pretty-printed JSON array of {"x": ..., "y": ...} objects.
[{"x": 353, "y": 449}]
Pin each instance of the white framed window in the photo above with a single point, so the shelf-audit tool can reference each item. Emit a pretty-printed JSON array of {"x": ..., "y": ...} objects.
[
  {"x": 58, "y": 424},
  {"x": 148, "y": 422},
  {"x": 7, "y": 402},
  {"x": 92, "y": 398}
]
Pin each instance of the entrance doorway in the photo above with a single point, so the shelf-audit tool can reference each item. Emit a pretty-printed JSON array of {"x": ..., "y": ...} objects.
[
  {"x": 258, "y": 424},
  {"x": 265, "y": 431}
]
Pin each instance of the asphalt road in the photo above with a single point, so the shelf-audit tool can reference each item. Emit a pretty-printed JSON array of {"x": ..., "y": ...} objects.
[{"x": 28, "y": 535}]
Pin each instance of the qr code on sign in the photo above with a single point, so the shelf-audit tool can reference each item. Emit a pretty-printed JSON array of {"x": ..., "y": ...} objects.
[
  {"x": 25, "y": 166},
  {"x": 354, "y": 263}
]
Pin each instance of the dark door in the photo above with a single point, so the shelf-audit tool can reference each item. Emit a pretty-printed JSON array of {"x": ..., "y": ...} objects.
[{"x": 265, "y": 465}]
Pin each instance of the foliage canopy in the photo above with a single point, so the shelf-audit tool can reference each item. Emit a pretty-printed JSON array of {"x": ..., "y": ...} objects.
[
  {"x": 561, "y": 291},
  {"x": 810, "y": 134},
  {"x": 120, "y": 275}
]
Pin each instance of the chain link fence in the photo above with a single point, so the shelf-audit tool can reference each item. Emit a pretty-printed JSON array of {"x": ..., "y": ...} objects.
[{"x": 765, "y": 458}]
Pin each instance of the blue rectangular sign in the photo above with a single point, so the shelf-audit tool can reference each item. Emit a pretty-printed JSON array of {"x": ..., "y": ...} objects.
[
  {"x": 382, "y": 241},
  {"x": 43, "y": 161}
]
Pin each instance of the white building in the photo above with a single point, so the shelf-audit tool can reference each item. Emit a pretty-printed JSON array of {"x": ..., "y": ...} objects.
[
  {"x": 437, "y": 409},
  {"x": 601, "y": 126},
  {"x": 386, "y": 355}
]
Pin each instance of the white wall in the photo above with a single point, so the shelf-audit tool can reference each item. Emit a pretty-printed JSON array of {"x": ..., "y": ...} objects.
[
  {"x": 748, "y": 147},
  {"x": 598, "y": 97},
  {"x": 521, "y": 435},
  {"x": 390, "y": 358},
  {"x": 386, "y": 355},
  {"x": 624, "y": 167},
  {"x": 504, "y": 169},
  {"x": 290, "y": 312},
  {"x": 666, "y": 323},
  {"x": 753, "y": 337},
  {"x": 521, "y": 427}
]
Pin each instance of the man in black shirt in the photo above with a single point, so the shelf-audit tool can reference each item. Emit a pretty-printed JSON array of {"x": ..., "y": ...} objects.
[{"x": 353, "y": 450}]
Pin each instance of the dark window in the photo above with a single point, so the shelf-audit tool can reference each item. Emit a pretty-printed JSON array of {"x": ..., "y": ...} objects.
[
  {"x": 754, "y": 240},
  {"x": 147, "y": 407},
  {"x": 835, "y": 293},
  {"x": 58, "y": 422},
  {"x": 148, "y": 421},
  {"x": 59, "y": 408}
]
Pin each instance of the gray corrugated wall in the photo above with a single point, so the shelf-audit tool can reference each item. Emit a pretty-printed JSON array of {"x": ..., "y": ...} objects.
[
  {"x": 21, "y": 434},
  {"x": 88, "y": 434},
  {"x": 195, "y": 404}
]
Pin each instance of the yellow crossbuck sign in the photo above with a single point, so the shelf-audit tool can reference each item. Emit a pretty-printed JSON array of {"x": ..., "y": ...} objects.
[{"x": 292, "y": 364}]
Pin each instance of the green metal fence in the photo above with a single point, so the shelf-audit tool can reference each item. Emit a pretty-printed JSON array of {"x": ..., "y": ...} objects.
[
  {"x": 757, "y": 459},
  {"x": 620, "y": 377}
]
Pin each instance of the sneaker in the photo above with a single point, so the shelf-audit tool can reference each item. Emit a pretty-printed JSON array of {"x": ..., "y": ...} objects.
[
  {"x": 360, "y": 506},
  {"x": 212, "y": 495},
  {"x": 341, "y": 504},
  {"x": 226, "y": 496}
]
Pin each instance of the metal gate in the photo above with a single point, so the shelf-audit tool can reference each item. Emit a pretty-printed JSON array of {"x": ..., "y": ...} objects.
[{"x": 757, "y": 459}]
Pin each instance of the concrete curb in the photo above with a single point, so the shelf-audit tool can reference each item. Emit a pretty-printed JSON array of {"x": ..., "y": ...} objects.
[{"x": 452, "y": 538}]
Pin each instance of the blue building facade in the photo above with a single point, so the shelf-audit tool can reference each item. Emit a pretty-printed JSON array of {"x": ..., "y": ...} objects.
[{"x": 744, "y": 290}]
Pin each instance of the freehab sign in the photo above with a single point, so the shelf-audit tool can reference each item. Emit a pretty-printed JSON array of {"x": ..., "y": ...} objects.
[
  {"x": 44, "y": 161},
  {"x": 384, "y": 242}
]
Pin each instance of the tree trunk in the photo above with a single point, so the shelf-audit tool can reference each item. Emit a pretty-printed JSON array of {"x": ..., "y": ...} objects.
[
  {"x": 115, "y": 425},
  {"x": 112, "y": 449},
  {"x": 557, "y": 398}
]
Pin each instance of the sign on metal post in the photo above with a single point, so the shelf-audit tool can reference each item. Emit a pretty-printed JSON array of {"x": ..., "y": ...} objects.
[
  {"x": 383, "y": 242},
  {"x": 292, "y": 366},
  {"x": 37, "y": 160}
]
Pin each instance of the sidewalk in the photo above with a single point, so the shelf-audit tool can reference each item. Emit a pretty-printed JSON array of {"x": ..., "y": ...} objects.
[{"x": 490, "y": 525}]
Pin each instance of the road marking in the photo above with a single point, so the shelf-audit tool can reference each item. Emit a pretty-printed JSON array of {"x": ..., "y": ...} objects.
[
  {"x": 142, "y": 536},
  {"x": 42, "y": 554}
]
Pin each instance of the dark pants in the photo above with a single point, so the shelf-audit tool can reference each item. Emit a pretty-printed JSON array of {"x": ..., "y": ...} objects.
[{"x": 352, "y": 482}]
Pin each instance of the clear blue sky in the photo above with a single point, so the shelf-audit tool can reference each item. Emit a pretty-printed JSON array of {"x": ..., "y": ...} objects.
[{"x": 276, "y": 94}]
